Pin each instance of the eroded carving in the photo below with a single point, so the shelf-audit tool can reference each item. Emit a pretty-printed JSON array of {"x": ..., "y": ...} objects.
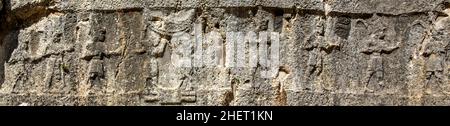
[
  {"x": 92, "y": 41},
  {"x": 129, "y": 53},
  {"x": 169, "y": 34},
  {"x": 343, "y": 27},
  {"x": 417, "y": 33},
  {"x": 166, "y": 23},
  {"x": 375, "y": 46}
]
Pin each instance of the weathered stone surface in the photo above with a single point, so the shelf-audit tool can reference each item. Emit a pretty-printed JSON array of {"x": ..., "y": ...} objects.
[
  {"x": 147, "y": 52},
  {"x": 396, "y": 7}
]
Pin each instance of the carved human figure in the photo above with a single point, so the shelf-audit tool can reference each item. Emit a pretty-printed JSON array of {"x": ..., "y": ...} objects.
[
  {"x": 168, "y": 33},
  {"x": 92, "y": 41},
  {"x": 434, "y": 53},
  {"x": 375, "y": 45},
  {"x": 317, "y": 47},
  {"x": 96, "y": 72}
]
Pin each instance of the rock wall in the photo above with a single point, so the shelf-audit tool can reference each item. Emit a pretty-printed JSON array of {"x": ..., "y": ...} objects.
[{"x": 252, "y": 52}]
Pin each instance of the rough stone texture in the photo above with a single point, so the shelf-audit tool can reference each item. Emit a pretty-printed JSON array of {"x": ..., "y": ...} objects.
[{"x": 118, "y": 52}]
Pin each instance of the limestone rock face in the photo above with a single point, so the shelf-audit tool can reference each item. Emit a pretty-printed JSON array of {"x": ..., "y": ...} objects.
[{"x": 224, "y": 52}]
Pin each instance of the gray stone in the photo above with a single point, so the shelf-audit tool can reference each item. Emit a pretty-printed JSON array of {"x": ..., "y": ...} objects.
[{"x": 181, "y": 52}]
